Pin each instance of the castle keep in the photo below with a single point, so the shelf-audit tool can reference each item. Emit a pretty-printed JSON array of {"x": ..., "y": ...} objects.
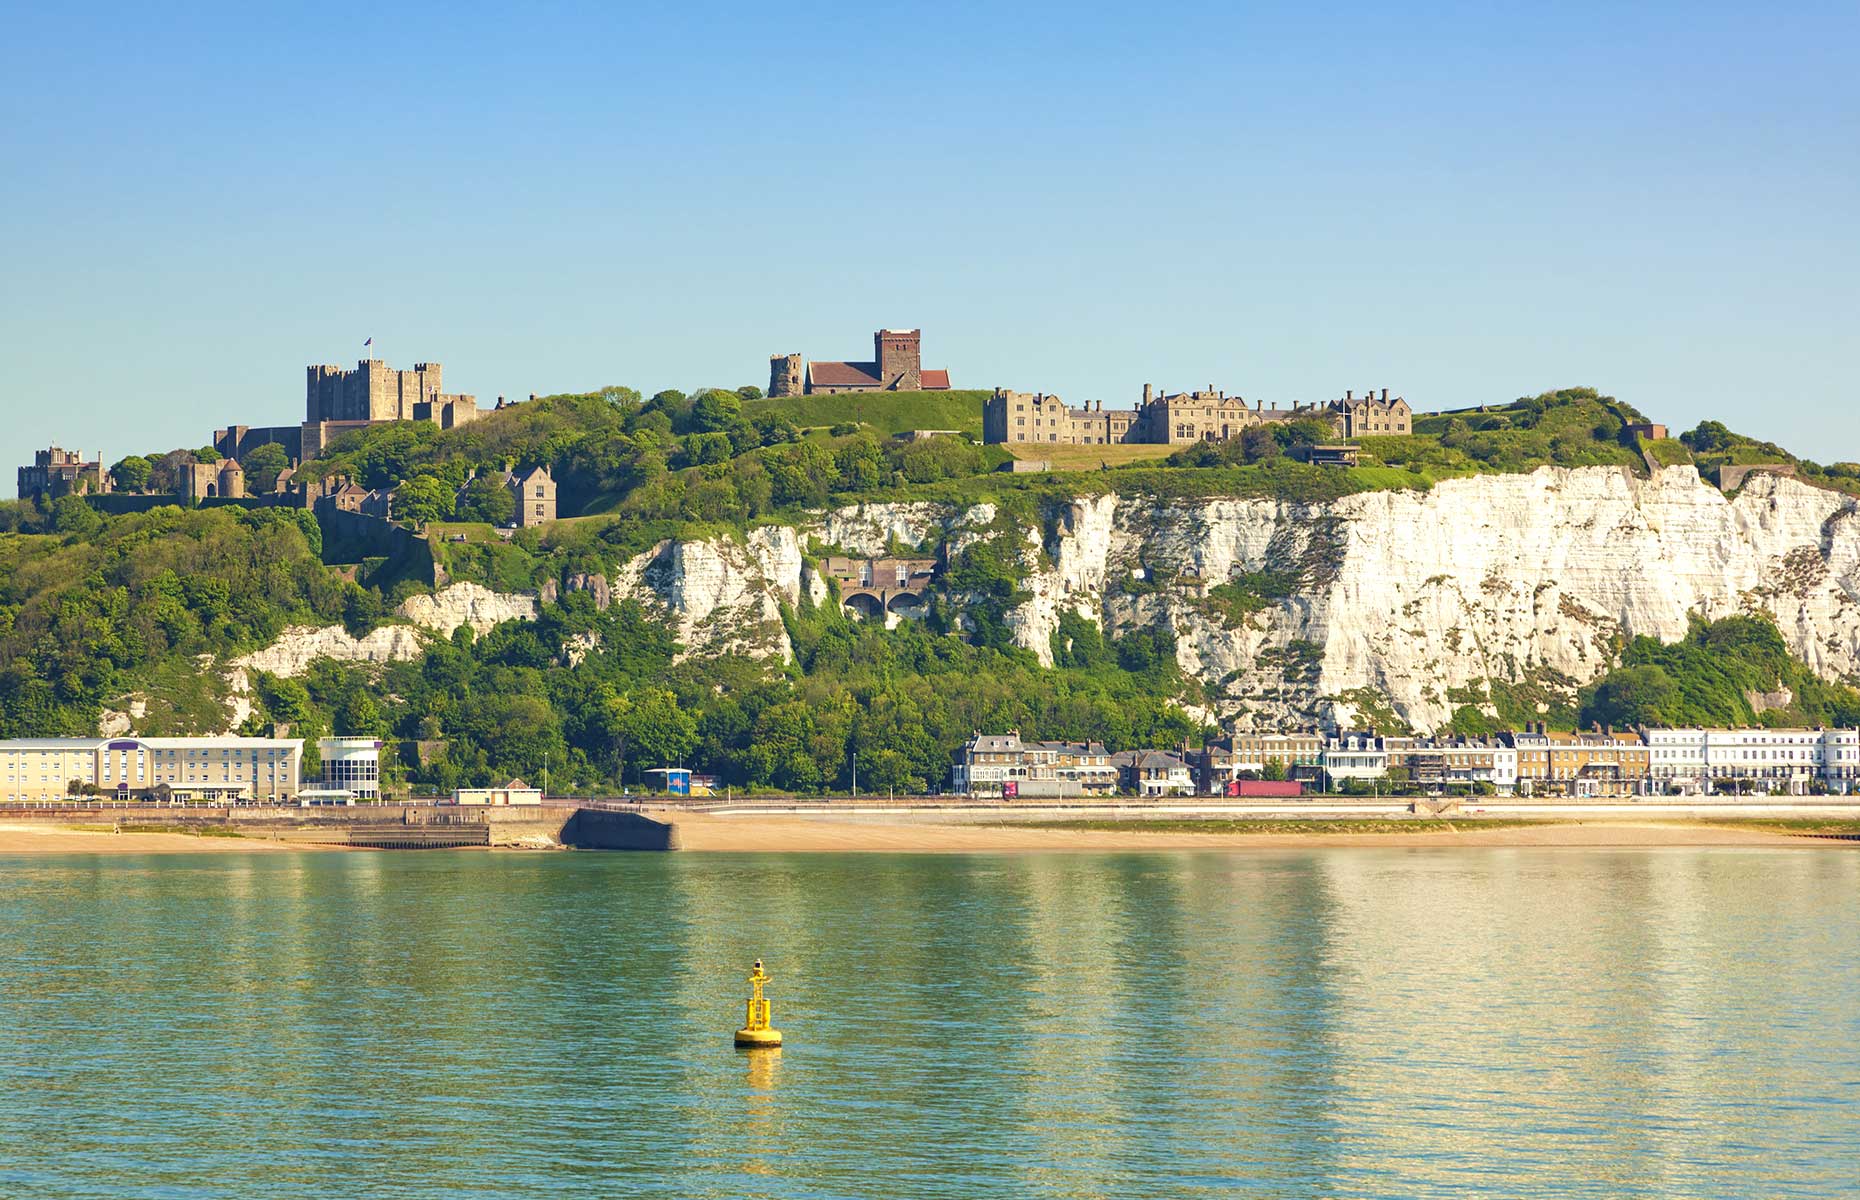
[
  {"x": 896, "y": 366},
  {"x": 336, "y": 401},
  {"x": 1170, "y": 419}
]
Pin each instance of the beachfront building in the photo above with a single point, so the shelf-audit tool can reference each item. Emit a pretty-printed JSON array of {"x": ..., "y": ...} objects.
[
  {"x": 1840, "y": 759},
  {"x": 1600, "y": 764},
  {"x": 351, "y": 764},
  {"x": 1362, "y": 757},
  {"x": 1153, "y": 773},
  {"x": 223, "y": 770},
  {"x": 1446, "y": 763},
  {"x": 1676, "y": 763},
  {"x": 513, "y": 792},
  {"x": 1793, "y": 762},
  {"x": 1001, "y": 766},
  {"x": 1255, "y": 755}
]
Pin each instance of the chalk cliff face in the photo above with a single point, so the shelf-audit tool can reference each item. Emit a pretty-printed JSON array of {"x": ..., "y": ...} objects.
[
  {"x": 442, "y": 612},
  {"x": 1382, "y": 604},
  {"x": 721, "y": 597},
  {"x": 1410, "y": 603}
]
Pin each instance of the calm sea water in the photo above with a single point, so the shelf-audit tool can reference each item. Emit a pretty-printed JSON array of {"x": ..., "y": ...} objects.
[{"x": 1334, "y": 1023}]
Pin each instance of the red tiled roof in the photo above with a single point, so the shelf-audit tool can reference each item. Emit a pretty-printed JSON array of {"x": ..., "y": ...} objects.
[
  {"x": 842, "y": 374},
  {"x": 936, "y": 381}
]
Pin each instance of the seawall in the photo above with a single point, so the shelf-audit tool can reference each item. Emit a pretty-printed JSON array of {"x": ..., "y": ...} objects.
[{"x": 393, "y": 826}]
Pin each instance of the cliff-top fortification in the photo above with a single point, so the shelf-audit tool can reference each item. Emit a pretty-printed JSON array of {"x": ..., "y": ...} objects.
[{"x": 896, "y": 366}]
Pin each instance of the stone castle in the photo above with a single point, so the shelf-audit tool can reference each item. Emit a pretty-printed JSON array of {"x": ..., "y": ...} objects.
[
  {"x": 58, "y": 472},
  {"x": 896, "y": 366},
  {"x": 1180, "y": 418},
  {"x": 336, "y": 401}
]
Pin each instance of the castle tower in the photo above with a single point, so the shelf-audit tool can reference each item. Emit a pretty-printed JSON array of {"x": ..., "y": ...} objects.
[
  {"x": 785, "y": 377},
  {"x": 899, "y": 355},
  {"x": 231, "y": 479},
  {"x": 323, "y": 393}
]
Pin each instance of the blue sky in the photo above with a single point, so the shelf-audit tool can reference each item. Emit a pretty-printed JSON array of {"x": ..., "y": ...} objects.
[{"x": 1462, "y": 203}]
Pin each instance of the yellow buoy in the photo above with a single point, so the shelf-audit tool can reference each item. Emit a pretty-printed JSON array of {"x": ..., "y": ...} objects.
[{"x": 755, "y": 1032}]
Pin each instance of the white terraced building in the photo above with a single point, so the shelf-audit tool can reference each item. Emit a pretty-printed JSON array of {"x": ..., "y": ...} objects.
[
  {"x": 219, "y": 769},
  {"x": 1786, "y": 761}
]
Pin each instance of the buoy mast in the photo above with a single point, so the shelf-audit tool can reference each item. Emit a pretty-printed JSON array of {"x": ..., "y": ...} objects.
[{"x": 756, "y": 1032}]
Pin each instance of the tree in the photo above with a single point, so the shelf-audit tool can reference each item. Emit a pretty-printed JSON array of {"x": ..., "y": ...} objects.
[
  {"x": 1257, "y": 444},
  {"x": 749, "y": 392},
  {"x": 1631, "y": 696},
  {"x": 703, "y": 448},
  {"x": 70, "y": 514},
  {"x": 487, "y": 499},
  {"x": 657, "y": 732},
  {"x": 1306, "y": 431},
  {"x": 132, "y": 473},
  {"x": 263, "y": 465},
  {"x": 422, "y": 500},
  {"x": 716, "y": 411},
  {"x": 861, "y": 465},
  {"x": 165, "y": 470},
  {"x": 799, "y": 473},
  {"x": 625, "y": 399},
  {"x": 674, "y": 405},
  {"x": 1708, "y": 436},
  {"x": 206, "y": 454}
]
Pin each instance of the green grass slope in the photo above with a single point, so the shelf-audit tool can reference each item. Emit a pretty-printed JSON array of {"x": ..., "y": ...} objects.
[{"x": 884, "y": 412}]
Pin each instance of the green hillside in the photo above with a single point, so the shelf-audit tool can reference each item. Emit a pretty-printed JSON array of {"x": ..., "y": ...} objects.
[{"x": 885, "y": 412}]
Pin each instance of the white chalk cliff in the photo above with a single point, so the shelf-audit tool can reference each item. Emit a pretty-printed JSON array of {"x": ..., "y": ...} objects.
[
  {"x": 462, "y": 604},
  {"x": 1409, "y": 601},
  {"x": 1416, "y": 598}
]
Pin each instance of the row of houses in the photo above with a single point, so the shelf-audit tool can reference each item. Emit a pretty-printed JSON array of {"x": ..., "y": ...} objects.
[{"x": 1594, "y": 764}]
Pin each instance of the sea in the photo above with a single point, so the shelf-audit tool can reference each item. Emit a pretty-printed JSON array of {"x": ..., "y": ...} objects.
[{"x": 1286, "y": 1023}]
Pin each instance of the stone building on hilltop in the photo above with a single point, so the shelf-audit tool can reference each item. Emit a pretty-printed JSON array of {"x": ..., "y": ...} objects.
[
  {"x": 534, "y": 492},
  {"x": 896, "y": 366},
  {"x": 1174, "y": 419},
  {"x": 1367, "y": 416},
  {"x": 337, "y": 401},
  {"x": 212, "y": 481},
  {"x": 57, "y": 472}
]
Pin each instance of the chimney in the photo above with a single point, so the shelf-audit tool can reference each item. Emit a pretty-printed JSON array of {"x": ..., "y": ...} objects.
[
  {"x": 1348, "y": 394},
  {"x": 1385, "y": 395},
  {"x": 1146, "y": 393}
]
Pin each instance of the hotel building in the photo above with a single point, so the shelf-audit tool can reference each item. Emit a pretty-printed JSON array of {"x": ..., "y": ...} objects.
[{"x": 236, "y": 770}]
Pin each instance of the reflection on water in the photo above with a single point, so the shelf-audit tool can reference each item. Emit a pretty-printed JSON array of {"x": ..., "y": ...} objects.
[{"x": 1333, "y": 1023}]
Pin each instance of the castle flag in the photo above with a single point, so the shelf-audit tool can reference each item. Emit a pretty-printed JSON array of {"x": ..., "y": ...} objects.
[{"x": 368, "y": 343}]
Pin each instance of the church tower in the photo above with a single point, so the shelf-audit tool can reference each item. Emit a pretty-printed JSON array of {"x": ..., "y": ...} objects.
[{"x": 899, "y": 355}]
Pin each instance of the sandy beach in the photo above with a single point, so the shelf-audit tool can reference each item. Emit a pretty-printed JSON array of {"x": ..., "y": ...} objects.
[
  {"x": 958, "y": 833},
  {"x": 30, "y": 837},
  {"x": 827, "y": 832}
]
